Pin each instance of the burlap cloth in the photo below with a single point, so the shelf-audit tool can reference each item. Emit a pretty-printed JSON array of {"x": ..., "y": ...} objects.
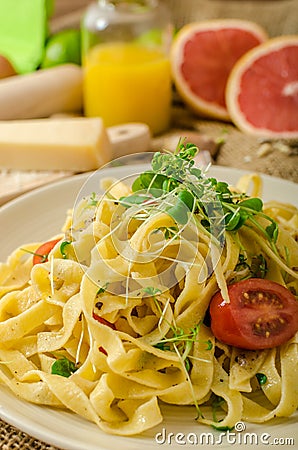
[
  {"x": 12, "y": 438},
  {"x": 233, "y": 148}
]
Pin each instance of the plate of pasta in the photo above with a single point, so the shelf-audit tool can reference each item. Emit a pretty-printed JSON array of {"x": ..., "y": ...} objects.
[{"x": 151, "y": 304}]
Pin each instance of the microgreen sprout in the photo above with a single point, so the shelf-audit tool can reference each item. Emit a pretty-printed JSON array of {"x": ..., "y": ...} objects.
[
  {"x": 44, "y": 257},
  {"x": 178, "y": 338},
  {"x": 93, "y": 199},
  {"x": 151, "y": 291},
  {"x": 216, "y": 403},
  {"x": 216, "y": 208},
  {"x": 242, "y": 263},
  {"x": 287, "y": 259},
  {"x": 170, "y": 232},
  {"x": 102, "y": 289},
  {"x": 257, "y": 268}
]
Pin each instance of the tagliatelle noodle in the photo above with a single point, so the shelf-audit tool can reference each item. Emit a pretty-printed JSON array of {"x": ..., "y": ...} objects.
[
  {"x": 287, "y": 405},
  {"x": 151, "y": 293},
  {"x": 15, "y": 272}
]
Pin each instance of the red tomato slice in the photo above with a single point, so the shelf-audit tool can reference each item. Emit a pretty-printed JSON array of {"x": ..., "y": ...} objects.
[
  {"x": 103, "y": 321},
  {"x": 42, "y": 253},
  {"x": 102, "y": 350},
  {"x": 261, "y": 314}
]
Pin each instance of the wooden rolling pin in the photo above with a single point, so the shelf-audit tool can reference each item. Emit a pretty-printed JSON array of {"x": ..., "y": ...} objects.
[{"x": 41, "y": 93}]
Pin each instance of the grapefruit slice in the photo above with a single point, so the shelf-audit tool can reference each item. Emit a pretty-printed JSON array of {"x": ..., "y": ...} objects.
[
  {"x": 262, "y": 90},
  {"x": 202, "y": 56}
]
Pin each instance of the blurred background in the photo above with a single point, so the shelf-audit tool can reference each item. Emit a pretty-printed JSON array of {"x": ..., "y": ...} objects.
[
  {"x": 43, "y": 75},
  {"x": 277, "y": 16}
]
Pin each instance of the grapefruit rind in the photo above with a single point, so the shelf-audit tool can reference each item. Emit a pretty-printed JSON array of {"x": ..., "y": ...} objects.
[
  {"x": 233, "y": 87},
  {"x": 197, "y": 104}
]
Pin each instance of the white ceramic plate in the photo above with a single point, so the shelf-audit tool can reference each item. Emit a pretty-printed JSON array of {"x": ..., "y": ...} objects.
[{"x": 40, "y": 214}]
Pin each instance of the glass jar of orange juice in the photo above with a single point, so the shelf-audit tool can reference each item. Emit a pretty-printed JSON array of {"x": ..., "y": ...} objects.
[{"x": 126, "y": 62}]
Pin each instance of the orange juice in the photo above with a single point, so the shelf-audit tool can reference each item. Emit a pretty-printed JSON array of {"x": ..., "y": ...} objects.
[{"x": 128, "y": 82}]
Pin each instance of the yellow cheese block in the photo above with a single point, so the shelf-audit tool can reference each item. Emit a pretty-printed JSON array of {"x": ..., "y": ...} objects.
[{"x": 75, "y": 144}]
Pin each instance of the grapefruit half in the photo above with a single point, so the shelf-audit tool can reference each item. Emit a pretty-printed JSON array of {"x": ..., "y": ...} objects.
[
  {"x": 202, "y": 56},
  {"x": 262, "y": 90}
]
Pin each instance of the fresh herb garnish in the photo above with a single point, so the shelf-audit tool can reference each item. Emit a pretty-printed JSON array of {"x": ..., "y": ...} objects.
[
  {"x": 102, "y": 289},
  {"x": 170, "y": 232},
  {"x": 181, "y": 188},
  {"x": 44, "y": 257},
  {"x": 258, "y": 266},
  {"x": 242, "y": 263},
  {"x": 162, "y": 346},
  {"x": 151, "y": 291},
  {"x": 63, "y": 246},
  {"x": 222, "y": 428},
  {"x": 93, "y": 201},
  {"x": 177, "y": 340},
  {"x": 135, "y": 199},
  {"x": 181, "y": 340},
  {"x": 216, "y": 403},
  {"x": 262, "y": 378},
  {"x": 209, "y": 345},
  {"x": 187, "y": 364},
  {"x": 256, "y": 269},
  {"x": 63, "y": 367}
]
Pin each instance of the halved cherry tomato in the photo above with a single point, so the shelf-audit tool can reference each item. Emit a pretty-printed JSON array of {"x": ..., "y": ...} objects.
[
  {"x": 42, "y": 253},
  {"x": 261, "y": 314}
]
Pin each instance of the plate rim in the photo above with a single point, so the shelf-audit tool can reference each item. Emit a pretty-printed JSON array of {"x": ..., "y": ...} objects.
[
  {"x": 82, "y": 176},
  {"x": 42, "y": 432}
]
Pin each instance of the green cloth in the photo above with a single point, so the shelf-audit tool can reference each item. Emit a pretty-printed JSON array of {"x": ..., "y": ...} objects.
[{"x": 23, "y": 30}]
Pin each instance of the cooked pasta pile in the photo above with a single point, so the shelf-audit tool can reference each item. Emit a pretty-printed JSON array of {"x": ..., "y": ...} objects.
[{"x": 115, "y": 321}]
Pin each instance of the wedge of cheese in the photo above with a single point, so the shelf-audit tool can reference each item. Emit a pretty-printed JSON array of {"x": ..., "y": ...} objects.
[{"x": 74, "y": 144}]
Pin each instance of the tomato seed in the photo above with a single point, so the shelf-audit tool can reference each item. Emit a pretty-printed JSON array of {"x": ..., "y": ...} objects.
[
  {"x": 267, "y": 326},
  {"x": 261, "y": 299}
]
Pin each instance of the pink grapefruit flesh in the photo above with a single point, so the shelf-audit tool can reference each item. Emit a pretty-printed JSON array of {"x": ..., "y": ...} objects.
[
  {"x": 262, "y": 90},
  {"x": 202, "y": 57}
]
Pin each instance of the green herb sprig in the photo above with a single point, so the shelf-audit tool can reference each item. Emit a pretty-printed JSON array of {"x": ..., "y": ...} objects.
[
  {"x": 93, "y": 201},
  {"x": 178, "y": 338},
  {"x": 63, "y": 248},
  {"x": 262, "y": 378},
  {"x": 175, "y": 176},
  {"x": 63, "y": 367},
  {"x": 216, "y": 403},
  {"x": 257, "y": 268}
]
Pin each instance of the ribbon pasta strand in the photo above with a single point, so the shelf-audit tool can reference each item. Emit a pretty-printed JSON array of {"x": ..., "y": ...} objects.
[{"x": 124, "y": 312}]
